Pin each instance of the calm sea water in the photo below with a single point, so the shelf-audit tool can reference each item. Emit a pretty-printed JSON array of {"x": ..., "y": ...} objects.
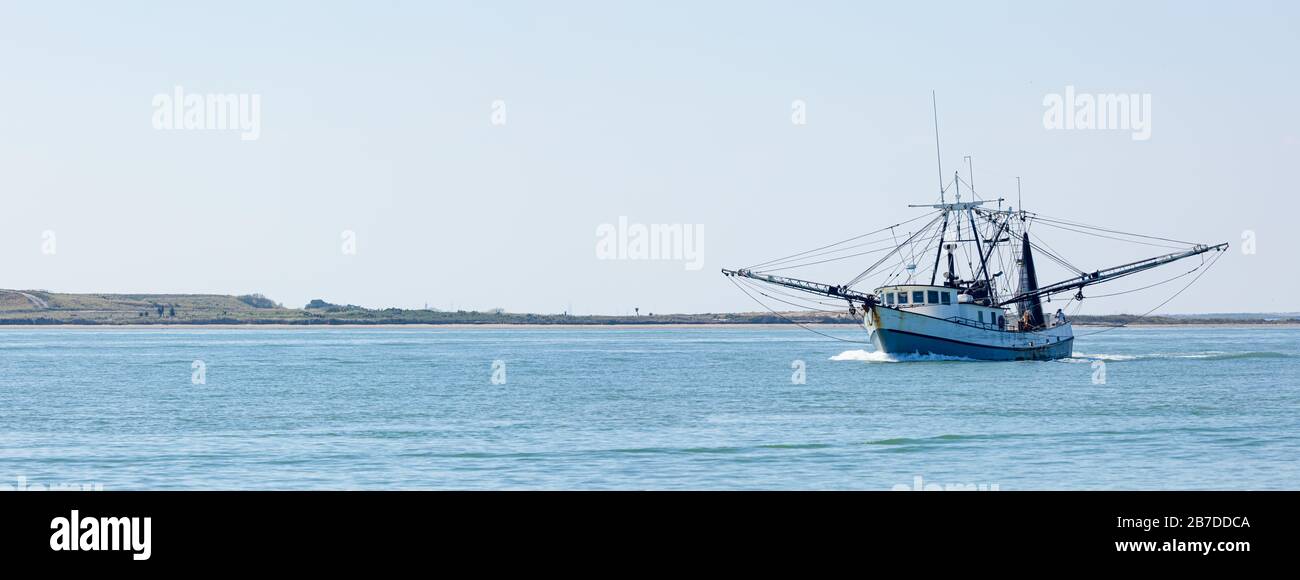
[{"x": 634, "y": 408}]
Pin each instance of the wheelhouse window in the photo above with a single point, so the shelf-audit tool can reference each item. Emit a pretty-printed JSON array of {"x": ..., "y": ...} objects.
[
  {"x": 946, "y": 296},
  {"x": 918, "y": 297},
  {"x": 889, "y": 298},
  {"x": 932, "y": 297},
  {"x": 902, "y": 297}
]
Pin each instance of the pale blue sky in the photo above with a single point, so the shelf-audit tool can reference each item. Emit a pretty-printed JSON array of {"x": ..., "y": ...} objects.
[{"x": 376, "y": 118}]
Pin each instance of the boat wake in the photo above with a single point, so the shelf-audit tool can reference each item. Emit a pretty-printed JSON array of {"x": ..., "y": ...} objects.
[
  {"x": 1080, "y": 357},
  {"x": 875, "y": 356}
]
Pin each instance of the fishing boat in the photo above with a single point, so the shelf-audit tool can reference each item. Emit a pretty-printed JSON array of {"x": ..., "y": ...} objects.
[{"x": 978, "y": 296}]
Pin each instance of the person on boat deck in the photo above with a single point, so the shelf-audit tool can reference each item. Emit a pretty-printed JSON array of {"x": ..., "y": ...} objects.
[
  {"x": 1060, "y": 317},
  {"x": 1025, "y": 321}
]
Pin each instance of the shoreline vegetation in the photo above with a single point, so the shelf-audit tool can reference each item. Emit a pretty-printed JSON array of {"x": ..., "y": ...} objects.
[{"x": 39, "y": 307}]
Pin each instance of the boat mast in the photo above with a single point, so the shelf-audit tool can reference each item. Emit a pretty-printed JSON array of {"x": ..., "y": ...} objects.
[
  {"x": 984, "y": 269},
  {"x": 939, "y": 253},
  {"x": 975, "y": 233},
  {"x": 997, "y": 233},
  {"x": 938, "y": 158}
]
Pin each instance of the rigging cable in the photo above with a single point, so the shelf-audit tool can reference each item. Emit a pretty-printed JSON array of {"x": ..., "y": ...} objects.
[
  {"x": 801, "y": 265},
  {"x": 909, "y": 240},
  {"x": 769, "y": 267},
  {"x": 1198, "y": 267},
  {"x": 1051, "y": 253},
  {"x": 837, "y": 243},
  {"x": 1054, "y": 257},
  {"x": 901, "y": 263},
  {"x": 876, "y": 251},
  {"x": 902, "y": 268},
  {"x": 1060, "y": 227},
  {"x": 754, "y": 285},
  {"x": 787, "y": 319},
  {"x": 1082, "y": 225},
  {"x": 1205, "y": 265}
]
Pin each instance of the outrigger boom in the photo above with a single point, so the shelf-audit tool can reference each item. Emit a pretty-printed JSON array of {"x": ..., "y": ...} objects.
[
  {"x": 1096, "y": 277},
  {"x": 1112, "y": 273},
  {"x": 841, "y": 292}
]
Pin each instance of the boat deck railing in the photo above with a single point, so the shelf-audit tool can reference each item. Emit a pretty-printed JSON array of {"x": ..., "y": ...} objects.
[
  {"x": 974, "y": 323},
  {"x": 991, "y": 326}
]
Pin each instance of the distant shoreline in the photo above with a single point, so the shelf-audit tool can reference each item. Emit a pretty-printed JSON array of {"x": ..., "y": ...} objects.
[
  {"x": 36, "y": 308},
  {"x": 507, "y": 326}
]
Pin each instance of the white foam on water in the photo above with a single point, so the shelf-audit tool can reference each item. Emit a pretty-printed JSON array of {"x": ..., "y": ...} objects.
[
  {"x": 875, "y": 356},
  {"x": 863, "y": 355},
  {"x": 1204, "y": 355},
  {"x": 1085, "y": 357}
]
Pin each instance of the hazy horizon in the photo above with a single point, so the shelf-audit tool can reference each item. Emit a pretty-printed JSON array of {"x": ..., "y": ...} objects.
[{"x": 474, "y": 151}]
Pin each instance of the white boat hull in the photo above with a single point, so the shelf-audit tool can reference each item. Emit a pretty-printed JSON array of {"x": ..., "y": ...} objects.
[{"x": 899, "y": 331}]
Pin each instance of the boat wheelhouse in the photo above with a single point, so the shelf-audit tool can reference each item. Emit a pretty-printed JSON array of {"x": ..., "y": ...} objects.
[{"x": 941, "y": 302}]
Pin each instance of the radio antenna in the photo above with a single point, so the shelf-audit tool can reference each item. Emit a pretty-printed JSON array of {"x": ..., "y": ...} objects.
[
  {"x": 1019, "y": 202},
  {"x": 938, "y": 158},
  {"x": 971, "y": 166}
]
